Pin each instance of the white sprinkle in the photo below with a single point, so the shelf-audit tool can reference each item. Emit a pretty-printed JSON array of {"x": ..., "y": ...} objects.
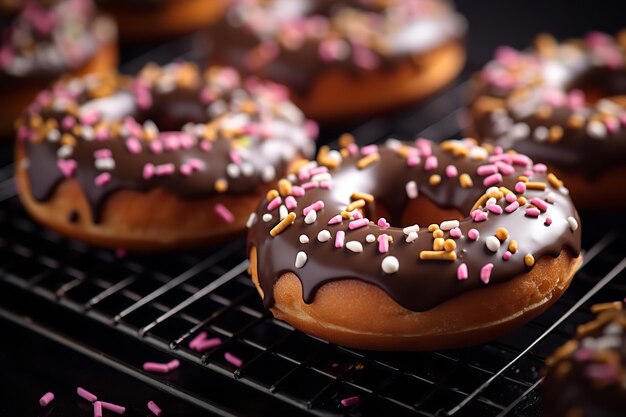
[
  {"x": 492, "y": 243},
  {"x": 233, "y": 170},
  {"x": 267, "y": 217},
  {"x": 478, "y": 153},
  {"x": 564, "y": 190},
  {"x": 541, "y": 133},
  {"x": 390, "y": 264},
  {"x": 596, "y": 129},
  {"x": 520, "y": 131},
  {"x": 490, "y": 201},
  {"x": 88, "y": 133},
  {"x": 354, "y": 246},
  {"x": 151, "y": 127},
  {"x": 410, "y": 229},
  {"x": 311, "y": 217},
  {"x": 282, "y": 211},
  {"x": 573, "y": 224},
  {"x": 268, "y": 173},
  {"x": 65, "y": 151},
  {"x": 449, "y": 224},
  {"x": 105, "y": 164},
  {"x": 492, "y": 190},
  {"x": 304, "y": 239},
  {"x": 370, "y": 238},
  {"x": 551, "y": 197},
  {"x": 251, "y": 220},
  {"x": 393, "y": 144},
  {"x": 335, "y": 156},
  {"x": 247, "y": 168},
  {"x": 300, "y": 259},
  {"x": 411, "y": 237},
  {"x": 323, "y": 236},
  {"x": 292, "y": 178},
  {"x": 411, "y": 189},
  {"x": 324, "y": 176},
  {"x": 53, "y": 135}
]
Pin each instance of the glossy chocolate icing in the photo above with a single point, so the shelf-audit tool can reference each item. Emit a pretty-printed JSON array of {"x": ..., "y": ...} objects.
[{"x": 418, "y": 285}]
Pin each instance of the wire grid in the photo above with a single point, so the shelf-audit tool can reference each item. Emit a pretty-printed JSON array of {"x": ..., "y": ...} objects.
[{"x": 164, "y": 301}]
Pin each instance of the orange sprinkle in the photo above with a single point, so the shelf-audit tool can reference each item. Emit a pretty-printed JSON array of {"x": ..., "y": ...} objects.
[
  {"x": 449, "y": 245},
  {"x": 271, "y": 194},
  {"x": 284, "y": 187},
  {"x": 67, "y": 139},
  {"x": 554, "y": 181},
  {"x": 221, "y": 185},
  {"x": 438, "y": 234},
  {"x": 284, "y": 223},
  {"x": 367, "y": 161},
  {"x": 439, "y": 255},
  {"x": 521, "y": 200},
  {"x": 356, "y": 204},
  {"x": 434, "y": 179},
  {"x": 513, "y": 246},
  {"x": 438, "y": 243},
  {"x": 324, "y": 159},
  {"x": 466, "y": 181},
  {"x": 505, "y": 191},
  {"x": 522, "y": 178},
  {"x": 295, "y": 167},
  {"x": 536, "y": 186},
  {"x": 433, "y": 227},
  {"x": 529, "y": 260},
  {"x": 556, "y": 133},
  {"x": 345, "y": 140},
  {"x": 502, "y": 234},
  {"x": 576, "y": 121},
  {"x": 615, "y": 305},
  {"x": 362, "y": 196}
]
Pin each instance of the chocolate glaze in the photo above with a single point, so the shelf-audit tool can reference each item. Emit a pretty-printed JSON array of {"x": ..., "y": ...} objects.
[{"x": 418, "y": 285}]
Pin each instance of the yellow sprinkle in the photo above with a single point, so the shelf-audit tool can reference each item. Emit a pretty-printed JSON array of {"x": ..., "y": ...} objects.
[
  {"x": 221, "y": 185},
  {"x": 521, "y": 200},
  {"x": 284, "y": 223},
  {"x": 449, "y": 245},
  {"x": 431, "y": 255},
  {"x": 271, "y": 194},
  {"x": 438, "y": 234},
  {"x": 345, "y": 140},
  {"x": 362, "y": 196},
  {"x": 522, "y": 178},
  {"x": 544, "y": 112},
  {"x": 36, "y": 121},
  {"x": 67, "y": 139},
  {"x": 404, "y": 151},
  {"x": 545, "y": 44},
  {"x": 505, "y": 191},
  {"x": 433, "y": 227},
  {"x": 434, "y": 179},
  {"x": 210, "y": 133},
  {"x": 356, "y": 204},
  {"x": 323, "y": 159},
  {"x": 576, "y": 121},
  {"x": 480, "y": 202},
  {"x": 466, "y": 181},
  {"x": 529, "y": 260},
  {"x": 461, "y": 152},
  {"x": 284, "y": 187},
  {"x": 295, "y": 167},
  {"x": 344, "y": 153},
  {"x": 513, "y": 246},
  {"x": 502, "y": 234},
  {"x": 536, "y": 186},
  {"x": 367, "y": 161},
  {"x": 554, "y": 181},
  {"x": 556, "y": 133},
  {"x": 438, "y": 243},
  {"x": 346, "y": 214},
  {"x": 615, "y": 305}
]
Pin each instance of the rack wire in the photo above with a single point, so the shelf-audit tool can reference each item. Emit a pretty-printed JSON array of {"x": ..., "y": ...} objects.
[{"x": 121, "y": 309}]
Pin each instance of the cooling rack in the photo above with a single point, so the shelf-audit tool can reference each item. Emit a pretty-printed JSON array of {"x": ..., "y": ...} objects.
[{"x": 122, "y": 311}]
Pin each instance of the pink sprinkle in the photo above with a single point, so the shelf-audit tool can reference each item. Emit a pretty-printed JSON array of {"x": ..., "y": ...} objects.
[
  {"x": 233, "y": 360},
  {"x": 318, "y": 170},
  {"x": 541, "y": 168},
  {"x": 584, "y": 354},
  {"x": 612, "y": 125},
  {"x": 369, "y": 149},
  {"x": 154, "y": 408},
  {"x": 156, "y": 146},
  {"x": 350, "y": 401},
  {"x": 548, "y": 221},
  {"x": 160, "y": 368},
  {"x": 199, "y": 338},
  {"x": 504, "y": 168},
  {"x": 331, "y": 49},
  {"x": 473, "y": 234},
  {"x": 133, "y": 145},
  {"x": 102, "y": 153},
  {"x": 456, "y": 232},
  {"x": 309, "y": 185},
  {"x": 291, "y": 202},
  {"x": 356, "y": 224},
  {"x": 520, "y": 187},
  {"x": 492, "y": 180},
  {"x": 413, "y": 160},
  {"x": 297, "y": 191},
  {"x": 512, "y": 207},
  {"x": 67, "y": 167},
  {"x": 510, "y": 198},
  {"x": 576, "y": 99},
  {"x": 102, "y": 179},
  {"x": 383, "y": 243},
  {"x": 353, "y": 149},
  {"x": 186, "y": 170},
  {"x": 431, "y": 163},
  {"x": 487, "y": 169},
  {"x": 485, "y": 273},
  {"x": 90, "y": 118},
  {"x": 506, "y": 56},
  {"x": 521, "y": 160},
  {"x": 507, "y": 255},
  {"x": 494, "y": 208},
  {"x": 97, "y": 409},
  {"x": 102, "y": 134},
  {"x": 206, "y": 145},
  {"x": 382, "y": 222},
  {"x": 340, "y": 238},
  {"x": 83, "y": 393},
  {"x": 223, "y": 213},
  {"x": 164, "y": 169},
  {"x": 277, "y": 201},
  {"x": 461, "y": 272},
  {"x": 304, "y": 174},
  {"x": 206, "y": 96},
  {"x": 235, "y": 158},
  {"x": 424, "y": 146},
  {"x": 173, "y": 364},
  {"x": 595, "y": 39},
  {"x": 506, "y": 158},
  {"x": 335, "y": 220},
  {"x": 325, "y": 185},
  {"x": 148, "y": 171},
  {"x": 23, "y": 133},
  {"x": 46, "y": 399},
  {"x": 451, "y": 171},
  {"x": 602, "y": 371},
  {"x": 532, "y": 212},
  {"x": 317, "y": 206},
  {"x": 205, "y": 345},
  {"x": 311, "y": 128},
  {"x": 117, "y": 409},
  {"x": 528, "y": 172},
  {"x": 480, "y": 217},
  {"x": 541, "y": 205},
  {"x": 68, "y": 122}
]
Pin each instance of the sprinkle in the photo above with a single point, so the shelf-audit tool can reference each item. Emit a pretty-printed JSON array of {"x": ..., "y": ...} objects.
[
  {"x": 548, "y": 221},
  {"x": 356, "y": 224},
  {"x": 336, "y": 219},
  {"x": 205, "y": 344},
  {"x": 311, "y": 217},
  {"x": 370, "y": 238},
  {"x": 492, "y": 243},
  {"x": 505, "y": 168},
  {"x": 532, "y": 212},
  {"x": 304, "y": 239},
  {"x": 83, "y": 393},
  {"x": 456, "y": 232},
  {"x": 494, "y": 208},
  {"x": 473, "y": 234},
  {"x": 102, "y": 179},
  {"x": 596, "y": 129},
  {"x": 339, "y": 239},
  {"x": 451, "y": 171},
  {"x": 510, "y": 198},
  {"x": 461, "y": 272},
  {"x": 67, "y": 167},
  {"x": 466, "y": 181},
  {"x": 267, "y": 217},
  {"x": 507, "y": 255},
  {"x": 434, "y": 179},
  {"x": 383, "y": 243},
  {"x": 502, "y": 234},
  {"x": 301, "y": 259},
  {"x": 485, "y": 170},
  {"x": 440, "y": 255},
  {"x": 539, "y": 203},
  {"x": 363, "y": 196},
  {"x": 382, "y": 222},
  {"x": 431, "y": 163},
  {"x": 354, "y": 246},
  {"x": 448, "y": 225},
  {"x": 367, "y": 161},
  {"x": 233, "y": 360},
  {"x": 554, "y": 181},
  {"x": 251, "y": 220},
  {"x": 485, "y": 273},
  {"x": 117, "y": 409},
  {"x": 536, "y": 186},
  {"x": 350, "y": 401},
  {"x": 480, "y": 216},
  {"x": 411, "y": 229},
  {"x": 318, "y": 205},
  {"x": 268, "y": 173},
  {"x": 390, "y": 264},
  {"x": 154, "y": 408},
  {"x": 161, "y": 368},
  {"x": 274, "y": 203},
  {"x": 413, "y": 160},
  {"x": 223, "y": 213},
  {"x": 360, "y": 203},
  {"x": 297, "y": 191},
  {"x": 573, "y": 224},
  {"x": 324, "y": 236},
  {"x": 284, "y": 223},
  {"x": 411, "y": 237},
  {"x": 46, "y": 399},
  {"x": 513, "y": 246},
  {"x": 492, "y": 180},
  {"x": 164, "y": 169},
  {"x": 529, "y": 260},
  {"x": 173, "y": 364},
  {"x": 148, "y": 171},
  {"x": 97, "y": 409},
  {"x": 197, "y": 339}
]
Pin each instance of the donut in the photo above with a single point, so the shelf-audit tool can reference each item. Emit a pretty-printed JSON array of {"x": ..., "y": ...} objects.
[
  {"x": 142, "y": 21},
  {"x": 344, "y": 59},
  {"x": 562, "y": 102},
  {"x": 586, "y": 376},
  {"x": 173, "y": 158},
  {"x": 40, "y": 40},
  {"x": 328, "y": 270}
]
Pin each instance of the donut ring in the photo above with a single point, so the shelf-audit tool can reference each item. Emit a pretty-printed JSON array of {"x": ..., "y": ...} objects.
[
  {"x": 332, "y": 273},
  {"x": 41, "y": 42},
  {"x": 345, "y": 59},
  {"x": 93, "y": 164},
  {"x": 564, "y": 103}
]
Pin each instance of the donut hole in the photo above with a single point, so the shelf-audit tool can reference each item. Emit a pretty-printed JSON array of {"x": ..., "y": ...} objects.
[
  {"x": 420, "y": 211},
  {"x": 600, "y": 83},
  {"x": 172, "y": 110}
]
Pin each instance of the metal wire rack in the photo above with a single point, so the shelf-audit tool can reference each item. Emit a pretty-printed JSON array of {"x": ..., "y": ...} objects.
[{"x": 122, "y": 310}]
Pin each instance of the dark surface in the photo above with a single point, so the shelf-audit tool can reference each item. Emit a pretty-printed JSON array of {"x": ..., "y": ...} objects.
[{"x": 59, "y": 299}]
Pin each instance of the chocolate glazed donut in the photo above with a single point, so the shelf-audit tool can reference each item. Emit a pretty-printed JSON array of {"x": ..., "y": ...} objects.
[
  {"x": 564, "y": 103},
  {"x": 322, "y": 265},
  {"x": 104, "y": 159}
]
